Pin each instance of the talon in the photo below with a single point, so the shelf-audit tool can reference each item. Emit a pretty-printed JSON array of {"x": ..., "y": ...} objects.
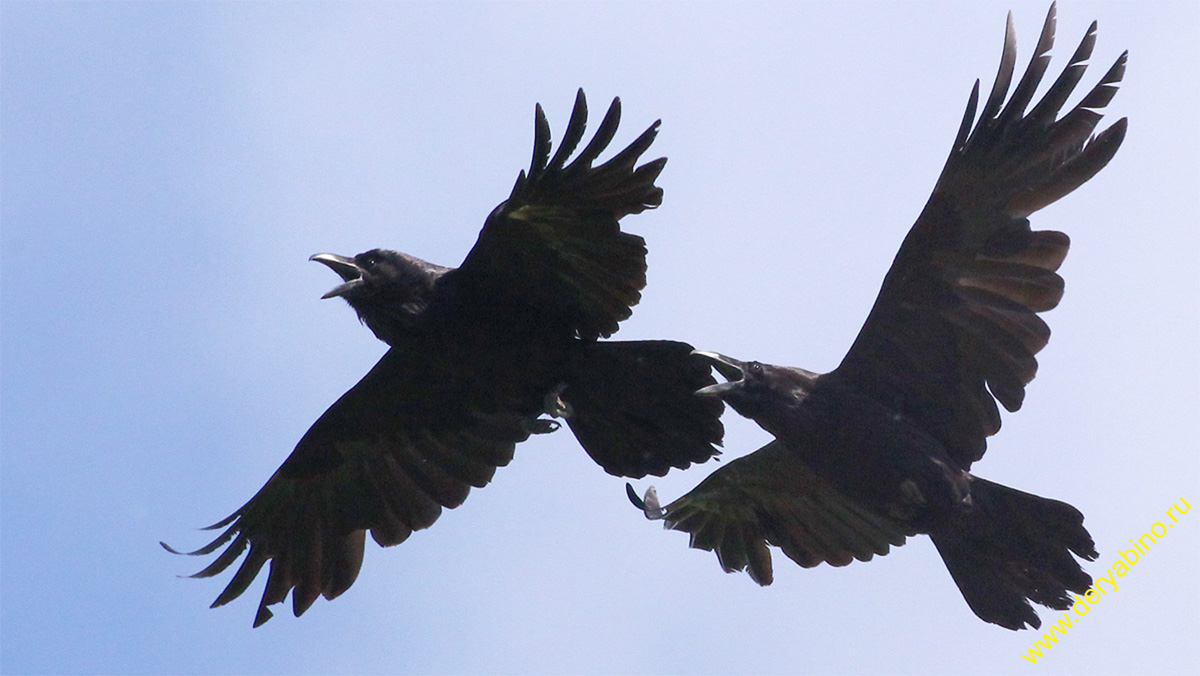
[
  {"x": 649, "y": 504},
  {"x": 911, "y": 493},
  {"x": 633, "y": 497},
  {"x": 555, "y": 405},
  {"x": 541, "y": 425}
]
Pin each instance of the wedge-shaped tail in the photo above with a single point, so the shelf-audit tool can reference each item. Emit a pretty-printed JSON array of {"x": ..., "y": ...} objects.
[
  {"x": 1014, "y": 548},
  {"x": 633, "y": 410}
]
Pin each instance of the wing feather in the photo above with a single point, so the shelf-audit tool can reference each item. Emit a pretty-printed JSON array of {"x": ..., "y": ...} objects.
[
  {"x": 955, "y": 327},
  {"x": 555, "y": 244},
  {"x": 382, "y": 459},
  {"x": 771, "y": 497},
  {"x": 574, "y": 133},
  {"x": 1024, "y": 92},
  {"x": 1008, "y": 60}
]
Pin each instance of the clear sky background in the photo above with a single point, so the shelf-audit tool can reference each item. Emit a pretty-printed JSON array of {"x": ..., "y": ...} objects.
[{"x": 167, "y": 168}]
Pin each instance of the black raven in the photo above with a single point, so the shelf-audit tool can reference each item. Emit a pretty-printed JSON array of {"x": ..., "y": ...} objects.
[
  {"x": 477, "y": 354},
  {"x": 881, "y": 447}
]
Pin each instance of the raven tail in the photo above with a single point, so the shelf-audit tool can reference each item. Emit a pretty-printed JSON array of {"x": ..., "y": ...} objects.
[
  {"x": 1013, "y": 548},
  {"x": 633, "y": 408}
]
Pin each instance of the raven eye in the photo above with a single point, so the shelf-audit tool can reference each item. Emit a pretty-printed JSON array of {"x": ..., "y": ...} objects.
[{"x": 756, "y": 368}]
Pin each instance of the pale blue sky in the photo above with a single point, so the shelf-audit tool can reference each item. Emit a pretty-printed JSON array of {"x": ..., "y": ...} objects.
[{"x": 167, "y": 168}]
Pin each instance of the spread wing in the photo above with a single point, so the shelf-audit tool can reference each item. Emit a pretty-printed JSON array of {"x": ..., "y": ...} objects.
[
  {"x": 385, "y": 458},
  {"x": 771, "y": 497},
  {"x": 555, "y": 244},
  {"x": 956, "y": 326}
]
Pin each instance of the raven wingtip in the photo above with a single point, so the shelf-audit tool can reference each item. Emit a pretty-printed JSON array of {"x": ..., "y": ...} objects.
[{"x": 261, "y": 617}]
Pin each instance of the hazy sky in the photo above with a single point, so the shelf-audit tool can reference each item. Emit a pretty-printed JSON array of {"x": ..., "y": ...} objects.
[{"x": 167, "y": 168}]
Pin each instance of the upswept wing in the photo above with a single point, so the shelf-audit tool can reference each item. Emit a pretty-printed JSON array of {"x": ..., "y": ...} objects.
[
  {"x": 956, "y": 326},
  {"x": 385, "y": 458},
  {"x": 771, "y": 497},
  {"x": 555, "y": 244}
]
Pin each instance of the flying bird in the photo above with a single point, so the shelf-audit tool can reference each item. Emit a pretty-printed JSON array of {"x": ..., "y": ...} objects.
[
  {"x": 881, "y": 448},
  {"x": 477, "y": 355}
]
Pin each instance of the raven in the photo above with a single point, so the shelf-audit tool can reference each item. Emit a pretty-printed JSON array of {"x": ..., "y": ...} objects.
[
  {"x": 477, "y": 354},
  {"x": 881, "y": 448}
]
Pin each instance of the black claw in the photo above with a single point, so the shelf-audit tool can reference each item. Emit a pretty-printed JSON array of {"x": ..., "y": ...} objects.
[
  {"x": 633, "y": 497},
  {"x": 541, "y": 425},
  {"x": 649, "y": 505}
]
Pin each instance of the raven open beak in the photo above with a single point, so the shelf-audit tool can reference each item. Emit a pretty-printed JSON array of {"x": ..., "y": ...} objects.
[
  {"x": 346, "y": 268},
  {"x": 733, "y": 370}
]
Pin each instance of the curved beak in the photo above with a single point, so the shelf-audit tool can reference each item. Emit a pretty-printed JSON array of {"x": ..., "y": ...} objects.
[
  {"x": 733, "y": 370},
  {"x": 346, "y": 268}
]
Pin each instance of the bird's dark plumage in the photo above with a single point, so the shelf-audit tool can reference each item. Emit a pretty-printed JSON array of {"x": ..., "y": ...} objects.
[
  {"x": 477, "y": 354},
  {"x": 881, "y": 447}
]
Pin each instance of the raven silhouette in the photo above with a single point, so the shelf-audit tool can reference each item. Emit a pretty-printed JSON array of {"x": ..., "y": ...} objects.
[
  {"x": 478, "y": 354},
  {"x": 881, "y": 447}
]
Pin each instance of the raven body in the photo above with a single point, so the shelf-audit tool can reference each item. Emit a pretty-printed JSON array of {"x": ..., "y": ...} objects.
[
  {"x": 881, "y": 448},
  {"x": 477, "y": 354},
  {"x": 854, "y": 454}
]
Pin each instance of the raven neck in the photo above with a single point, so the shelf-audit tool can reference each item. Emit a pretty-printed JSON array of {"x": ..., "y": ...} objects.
[{"x": 394, "y": 324}]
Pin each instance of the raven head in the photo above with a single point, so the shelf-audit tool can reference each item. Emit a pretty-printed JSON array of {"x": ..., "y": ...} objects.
[
  {"x": 386, "y": 288},
  {"x": 762, "y": 392}
]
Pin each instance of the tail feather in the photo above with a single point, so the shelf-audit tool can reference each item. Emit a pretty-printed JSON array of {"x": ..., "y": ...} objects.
[
  {"x": 1013, "y": 548},
  {"x": 633, "y": 408}
]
